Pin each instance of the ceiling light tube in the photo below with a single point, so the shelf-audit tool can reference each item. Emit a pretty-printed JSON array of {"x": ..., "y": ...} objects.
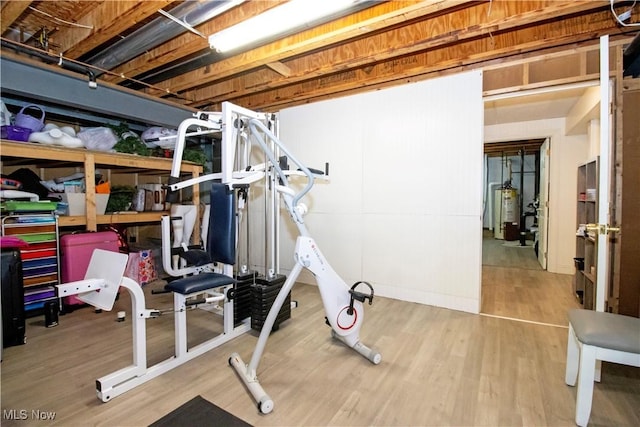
[{"x": 295, "y": 14}]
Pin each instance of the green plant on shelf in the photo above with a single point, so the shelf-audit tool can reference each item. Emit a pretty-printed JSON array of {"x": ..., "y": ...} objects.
[
  {"x": 120, "y": 198},
  {"x": 195, "y": 155},
  {"x": 128, "y": 142}
]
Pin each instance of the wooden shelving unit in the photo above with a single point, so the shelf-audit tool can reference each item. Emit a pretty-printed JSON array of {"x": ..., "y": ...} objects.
[
  {"x": 42, "y": 156},
  {"x": 584, "y": 282}
]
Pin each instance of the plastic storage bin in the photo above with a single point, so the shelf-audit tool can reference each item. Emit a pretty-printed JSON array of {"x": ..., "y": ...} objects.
[
  {"x": 15, "y": 133},
  {"x": 78, "y": 203}
]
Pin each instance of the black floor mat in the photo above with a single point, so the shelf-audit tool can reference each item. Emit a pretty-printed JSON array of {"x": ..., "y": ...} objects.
[{"x": 199, "y": 412}]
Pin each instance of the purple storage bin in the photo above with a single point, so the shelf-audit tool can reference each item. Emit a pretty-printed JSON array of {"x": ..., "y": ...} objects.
[{"x": 15, "y": 133}]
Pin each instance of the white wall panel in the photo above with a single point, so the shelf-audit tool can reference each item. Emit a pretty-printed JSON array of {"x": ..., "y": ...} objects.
[
  {"x": 422, "y": 143},
  {"x": 321, "y": 133},
  {"x": 404, "y": 206},
  {"x": 438, "y": 254}
]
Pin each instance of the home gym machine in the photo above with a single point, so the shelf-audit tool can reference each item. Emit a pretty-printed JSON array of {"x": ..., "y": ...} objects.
[
  {"x": 344, "y": 305},
  {"x": 206, "y": 284},
  {"x": 208, "y": 279}
]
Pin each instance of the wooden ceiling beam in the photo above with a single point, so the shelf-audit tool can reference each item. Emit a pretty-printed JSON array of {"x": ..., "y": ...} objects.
[
  {"x": 10, "y": 11},
  {"x": 109, "y": 19},
  {"x": 476, "y": 20},
  {"x": 376, "y": 18},
  {"x": 438, "y": 32},
  {"x": 280, "y": 68},
  {"x": 531, "y": 146},
  {"x": 433, "y": 62},
  {"x": 386, "y": 44}
]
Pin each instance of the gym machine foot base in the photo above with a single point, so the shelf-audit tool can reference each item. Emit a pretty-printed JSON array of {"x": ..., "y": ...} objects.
[{"x": 265, "y": 403}]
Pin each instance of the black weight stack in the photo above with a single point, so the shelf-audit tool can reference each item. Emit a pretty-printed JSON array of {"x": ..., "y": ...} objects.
[
  {"x": 242, "y": 300},
  {"x": 263, "y": 295}
]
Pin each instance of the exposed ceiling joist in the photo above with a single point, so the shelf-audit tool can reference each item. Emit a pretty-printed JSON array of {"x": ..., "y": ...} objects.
[
  {"x": 443, "y": 42},
  {"x": 385, "y": 44},
  {"x": 187, "y": 44},
  {"x": 328, "y": 35},
  {"x": 11, "y": 11},
  {"x": 280, "y": 68},
  {"x": 109, "y": 20}
]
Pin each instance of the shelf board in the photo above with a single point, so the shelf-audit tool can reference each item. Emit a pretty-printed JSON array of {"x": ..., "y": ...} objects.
[
  {"x": 113, "y": 218},
  {"x": 590, "y": 277},
  {"x": 54, "y": 156},
  {"x": 123, "y": 218},
  {"x": 39, "y": 155},
  {"x": 67, "y": 221}
]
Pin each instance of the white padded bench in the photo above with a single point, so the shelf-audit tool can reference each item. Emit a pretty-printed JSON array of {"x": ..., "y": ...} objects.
[{"x": 594, "y": 336}]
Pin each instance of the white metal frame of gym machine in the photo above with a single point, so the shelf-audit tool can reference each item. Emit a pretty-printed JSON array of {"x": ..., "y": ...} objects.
[
  {"x": 343, "y": 305},
  {"x": 105, "y": 275}
]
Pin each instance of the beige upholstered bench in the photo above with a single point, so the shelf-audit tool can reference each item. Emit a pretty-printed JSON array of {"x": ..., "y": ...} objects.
[{"x": 596, "y": 336}]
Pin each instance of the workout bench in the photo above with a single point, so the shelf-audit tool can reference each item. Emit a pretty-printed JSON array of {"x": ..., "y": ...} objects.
[{"x": 597, "y": 336}]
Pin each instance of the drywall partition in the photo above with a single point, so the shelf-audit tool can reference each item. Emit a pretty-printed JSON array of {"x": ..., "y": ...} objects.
[{"x": 403, "y": 209}]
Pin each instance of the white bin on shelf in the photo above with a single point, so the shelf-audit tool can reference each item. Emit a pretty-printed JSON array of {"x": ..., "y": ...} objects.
[{"x": 78, "y": 203}]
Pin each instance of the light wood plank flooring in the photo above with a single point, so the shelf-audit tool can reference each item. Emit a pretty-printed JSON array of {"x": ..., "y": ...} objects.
[
  {"x": 500, "y": 253},
  {"x": 440, "y": 367},
  {"x": 515, "y": 285}
]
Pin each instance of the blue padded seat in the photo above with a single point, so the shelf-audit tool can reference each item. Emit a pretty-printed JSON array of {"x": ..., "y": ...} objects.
[
  {"x": 199, "y": 283},
  {"x": 221, "y": 245}
]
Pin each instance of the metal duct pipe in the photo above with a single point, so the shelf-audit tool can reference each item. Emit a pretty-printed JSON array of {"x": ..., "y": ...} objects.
[
  {"x": 523, "y": 218},
  {"x": 53, "y": 60},
  {"x": 158, "y": 31}
]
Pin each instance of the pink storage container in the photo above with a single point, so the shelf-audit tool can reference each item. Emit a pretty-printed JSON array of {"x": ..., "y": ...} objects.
[{"x": 75, "y": 254}]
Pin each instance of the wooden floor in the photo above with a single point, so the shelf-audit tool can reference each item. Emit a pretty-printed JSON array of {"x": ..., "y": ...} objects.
[
  {"x": 515, "y": 285},
  {"x": 500, "y": 253},
  {"x": 440, "y": 367}
]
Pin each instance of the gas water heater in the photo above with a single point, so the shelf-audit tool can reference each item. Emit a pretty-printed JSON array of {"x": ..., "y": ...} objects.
[{"x": 506, "y": 214}]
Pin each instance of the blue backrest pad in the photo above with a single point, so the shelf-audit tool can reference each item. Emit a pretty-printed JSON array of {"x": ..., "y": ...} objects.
[{"x": 221, "y": 243}]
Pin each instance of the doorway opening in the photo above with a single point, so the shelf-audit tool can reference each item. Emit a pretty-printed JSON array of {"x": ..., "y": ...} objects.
[
  {"x": 513, "y": 221},
  {"x": 520, "y": 279}
]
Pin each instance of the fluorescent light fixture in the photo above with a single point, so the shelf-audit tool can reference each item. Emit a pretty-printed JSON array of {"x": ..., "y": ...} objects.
[{"x": 276, "y": 21}]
